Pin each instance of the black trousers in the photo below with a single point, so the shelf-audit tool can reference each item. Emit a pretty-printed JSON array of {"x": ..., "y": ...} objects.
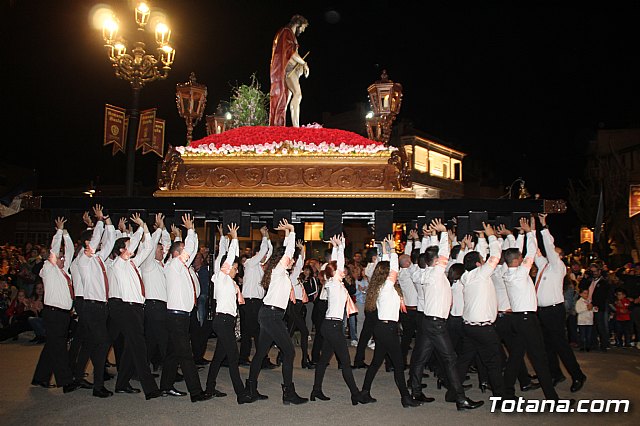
[
  {"x": 273, "y": 329},
  {"x": 370, "y": 320},
  {"x": 95, "y": 344},
  {"x": 529, "y": 340},
  {"x": 128, "y": 320},
  {"x": 78, "y": 337},
  {"x": 297, "y": 322},
  {"x": 454, "y": 325},
  {"x": 155, "y": 330},
  {"x": 409, "y": 323},
  {"x": 318, "y": 314},
  {"x": 482, "y": 342},
  {"x": 225, "y": 328},
  {"x": 435, "y": 336},
  {"x": 387, "y": 343},
  {"x": 505, "y": 330},
  {"x": 600, "y": 320},
  {"x": 553, "y": 324},
  {"x": 54, "y": 358},
  {"x": 179, "y": 352},
  {"x": 115, "y": 335},
  {"x": 334, "y": 341},
  {"x": 249, "y": 327}
]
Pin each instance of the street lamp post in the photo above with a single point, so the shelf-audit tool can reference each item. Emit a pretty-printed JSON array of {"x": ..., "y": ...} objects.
[{"x": 138, "y": 68}]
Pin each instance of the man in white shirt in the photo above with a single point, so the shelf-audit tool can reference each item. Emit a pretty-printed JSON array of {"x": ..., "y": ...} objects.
[
  {"x": 58, "y": 300},
  {"x": 96, "y": 247},
  {"x": 479, "y": 314},
  {"x": 409, "y": 320},
  {"x": 524, "y": 304},
  {"x": 125, "y": 280},
  {"x": 551, "y": 310},
  {"x": 182, "y": 296},
  {"x": 253, "y": 294}
]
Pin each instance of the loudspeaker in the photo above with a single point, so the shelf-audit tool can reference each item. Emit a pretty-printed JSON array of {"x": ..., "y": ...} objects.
[
  {"x": 516, "y": 217},
  {"x": 463, "y": 229},
  {"x": 429, "y": 215},
  {"x": 177, "y": 221},
  {"x": 383, "y": 224},
  {"x": 229, "y": 217},
  {"x": 476, "y": 219},
  {"x": 507, "y": 221},
  {"x": 278, "y": 215},
  {"x": 299, "y": 230},
  {"x": 245, "y": 226},
  {"x": 332, "y": 224}
]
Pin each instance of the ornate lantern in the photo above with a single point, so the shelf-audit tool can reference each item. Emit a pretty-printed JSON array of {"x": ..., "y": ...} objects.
[
  {"x": 218, "y": 122},
  {"x": 191, "y": 98},
  {"x": 385, "y": 98}
]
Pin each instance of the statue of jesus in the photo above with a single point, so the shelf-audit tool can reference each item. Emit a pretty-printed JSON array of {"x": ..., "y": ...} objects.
[{"x": 286, "y": 68}]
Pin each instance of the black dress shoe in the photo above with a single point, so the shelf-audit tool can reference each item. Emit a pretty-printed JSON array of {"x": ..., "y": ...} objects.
[
  {"x": 204, "y": 396},
  {"x": 366, "y": 398},
  {"x": 102, "y": 393},
  {"x": 408, "y": 401},
  {"x": 202, "y": 361},
  {"x": 173, "y": 392},
  {"x": 70, "y": 387},
  {"x": 151, "y": 395},
  {"x": 531, "y": 386},
  {"x": 84, "y": 384},
  {"x": 215, "y": 393},
  {"x": 578, "y": 384},
  {"x": 467, "y": 404},
  {"x": 128, "y": 389},
  {"x": 360, "y": 365},
  {"x": 267, "y": 364},
  {"x": 557, "y": 380},
  {"x": 421, "y": 397},
  {"x": 43, "y": 384},
  {"x": 318, "y": 394}
]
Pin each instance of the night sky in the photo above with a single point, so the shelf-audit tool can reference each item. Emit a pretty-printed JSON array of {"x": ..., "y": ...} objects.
[{"x": 521, "y": 88}]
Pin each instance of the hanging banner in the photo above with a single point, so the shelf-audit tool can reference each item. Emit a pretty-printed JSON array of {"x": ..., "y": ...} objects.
[
  {"x": 145, "y": 128},
  {"x": 634, "y": 200},
  {"x": 586, "y": 235},
  {"x": 119, "y": 145},
  {"x": 157, "y": 145},
  {"x": 114, "y": 131}
]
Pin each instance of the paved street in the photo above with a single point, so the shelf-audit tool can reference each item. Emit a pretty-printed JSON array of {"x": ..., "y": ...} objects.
[{"x": 613, "y": 375}]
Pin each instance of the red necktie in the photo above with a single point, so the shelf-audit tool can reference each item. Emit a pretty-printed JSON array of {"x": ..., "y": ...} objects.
[
  {"x": 104, "y": 275},
  {"x": 68, "y": 278},
  {"x": 139, "y": 277},
  {"x": 540, "y": 276},
  {"x": 193, "y": 284}
]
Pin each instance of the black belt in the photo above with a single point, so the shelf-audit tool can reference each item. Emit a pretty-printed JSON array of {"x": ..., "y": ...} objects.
[
  {"x": 176, "y": 312},
  {"x": 274, "y": 308},
  {"x": 478, "y": 324},
  {"x": 97, "y": 302},
  {"x": 251, "y": 298},
  {"x": 504, "y": 314},
  {"x": 551, "y": 306},
  {"x": 411, "y": 308},
  {"x": 434, "y": 318},
  {"x": 155, "y": 301},
  {"x": 133, "y": 303},
  {"x": 333, "y": 319},
  {"x": 226, "y": 315},
  {"x": 525, "y": 313},
  {"x": 389, "y": 321},
  {"x": 115, "y": 299},
  {"x": 55, "y": 308},
  {"x": 79, "y": 298}
]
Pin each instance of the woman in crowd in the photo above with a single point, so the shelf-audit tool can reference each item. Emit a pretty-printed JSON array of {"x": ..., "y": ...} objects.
[{"x": 36, "y": 303}]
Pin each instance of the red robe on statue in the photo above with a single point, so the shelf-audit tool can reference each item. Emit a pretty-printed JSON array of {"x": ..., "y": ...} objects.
[{"x": 285, "y": 45}]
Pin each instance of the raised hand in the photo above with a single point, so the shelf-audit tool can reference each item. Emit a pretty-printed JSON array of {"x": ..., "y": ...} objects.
[
  {"x": 502, "y": 230},
  {"x": 425, "y": 230},
  {"x": 220, "y": 230},
  {"x": 233, "y": 231},
  {"x": 543, "y": 219},
  {"x": 60, "y": 221},
  {"x": 87, "y": 220},
  {"x": 264, "y": 231},
  {"x": 300, "y": 244},
  {"x": 97, "y": 211},
  {"x": 187, "y": 221},
  {"x": 122, "y": 224},
  {"x": 524, "y": 225},
  {"x": 438, "y": 226},
  {"x": 135, "y": 218},
  {"x": 159, "y": 221},
  {"x": 413, "y": 234},
  {"x": 488, "y": 229},
  {"x": 176, "y": 231}
]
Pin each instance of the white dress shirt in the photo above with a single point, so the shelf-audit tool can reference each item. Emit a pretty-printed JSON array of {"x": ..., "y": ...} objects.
[
  {"x": 125, "y": 273},
  {"x": 437, "y": 289},
  {"x": 520, "y": 288},
  {"x": 388, "y": 302},
  {"x": 409, "y": 291},
  {"x": 93, "y": 269},
  {"x": 253, "y": 273},
  {"x": 76, "y": 277},
  {"x": 551, "y": 273},
  {"x": 224, "y": 287},
  {"x": 501, "y": 290},
  {"x": 182, "y": 289},
  {"x": 457, "y": 306},
  {"x": 336, "y": 292},
  {"x": 417, "y": 276},
  {"x": 280, "y": 285},
  {"x": 480, "y": 302},
  {"x": 152, "y": 270},
  {"x": 57, "y": 281}
]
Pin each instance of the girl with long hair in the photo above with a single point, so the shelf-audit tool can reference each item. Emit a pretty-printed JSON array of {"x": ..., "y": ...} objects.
[
  {"x": 277, "y": 282},
  {"x": 334, "y": 341},
  {"x": 385, "y": 295}
]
